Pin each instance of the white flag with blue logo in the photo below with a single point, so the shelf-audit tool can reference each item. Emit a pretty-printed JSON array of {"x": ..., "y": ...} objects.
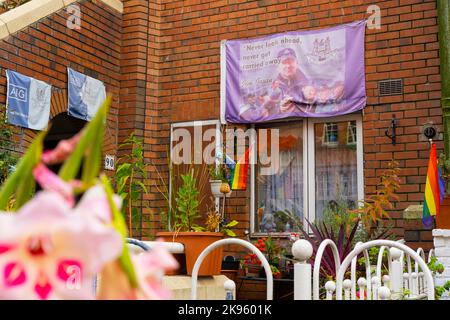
[
  {"x": 86, "y": 95},
  {"x": 28, "y": 101}
]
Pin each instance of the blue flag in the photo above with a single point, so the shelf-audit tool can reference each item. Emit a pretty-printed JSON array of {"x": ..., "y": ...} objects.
[
  {"x": 221, "y": 158},
  {"x": 441, "y": 184},
  {"x": 28, "y": 101},
  {"x": 86, "y": 95}
]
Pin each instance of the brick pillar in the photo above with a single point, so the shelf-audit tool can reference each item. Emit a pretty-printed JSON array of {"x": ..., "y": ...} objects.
[
  {"x": 157, "y": 124},
  {"x": 133, "y": 69},
  {"x": 136, "y": 38},
  {"x": 442, "y": 253}
]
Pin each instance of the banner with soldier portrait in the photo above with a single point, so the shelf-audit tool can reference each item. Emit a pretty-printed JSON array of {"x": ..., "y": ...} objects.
[{"x": 294, "y": 74}]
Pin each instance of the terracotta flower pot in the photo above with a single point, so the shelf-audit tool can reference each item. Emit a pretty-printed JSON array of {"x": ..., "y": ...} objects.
[{"x": 194, "y": 243}]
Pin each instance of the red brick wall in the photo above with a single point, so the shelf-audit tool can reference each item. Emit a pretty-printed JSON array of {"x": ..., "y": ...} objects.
[
  {"x": 162, "y": 62},
  {"x": 45, "y": 49},
  {"x": 406, "y": 47}
]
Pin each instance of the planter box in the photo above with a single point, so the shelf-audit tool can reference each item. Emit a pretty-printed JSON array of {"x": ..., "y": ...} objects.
[
  {"x": 194, "y": 243},
  {"x": 253, "y": 270}
]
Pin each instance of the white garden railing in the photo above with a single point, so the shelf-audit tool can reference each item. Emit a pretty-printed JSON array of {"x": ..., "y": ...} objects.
[
  {"x": 329, "y": 286},
  {"x": 394, "y": 280},
  {"x": 400, "y": 281},
  {"x": 418, "y": 282},
  {"x": 228, "y": 285}
]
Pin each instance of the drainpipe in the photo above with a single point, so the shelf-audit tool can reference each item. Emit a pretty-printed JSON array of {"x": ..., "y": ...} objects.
[{"x": 443, "y": 8}]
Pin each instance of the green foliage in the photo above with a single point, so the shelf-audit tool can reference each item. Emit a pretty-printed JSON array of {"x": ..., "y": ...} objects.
[
  {"x": 120, "y": 225},
  {"x": 435, "y": 266},
  {"x": 187, "y": 204},
  {"x": 373, "y": 257},
  {"x": 273, "y": 251},
  {"x": 226, "y": 228},
  {"x": 337, "y": 213},
  {"x": 373, "y": 208},
  {"x": 215, "y": 222},
  {"x": 218, "y": 173},
  {"x": 21, "y": 184},
  {"x": 130, "y": 170},
  {"x": 7, "y": 159},
  {"x": 440, "y": 290}
]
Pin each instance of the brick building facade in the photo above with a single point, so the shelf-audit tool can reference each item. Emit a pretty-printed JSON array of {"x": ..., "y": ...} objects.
[
  {"x": 161, "y": 62},
  {"x": 44, "y": 50},
  {"x": 406, "y": 47}
]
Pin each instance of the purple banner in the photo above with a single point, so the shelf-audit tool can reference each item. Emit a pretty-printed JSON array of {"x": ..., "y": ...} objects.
[{"x": 295, "y": 74}]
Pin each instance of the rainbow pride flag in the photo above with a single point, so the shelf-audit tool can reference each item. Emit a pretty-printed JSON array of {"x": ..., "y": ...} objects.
[
  {"x": 239, "y": 171},
  {"x": 434, "y": 190}
]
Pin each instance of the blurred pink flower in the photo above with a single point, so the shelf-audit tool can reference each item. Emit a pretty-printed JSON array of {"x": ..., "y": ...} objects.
[
  {"x": 94, "y": 204},
  {"x": 149, "y": 268},
  {"x": 62, "y": 150},
  {"x": 50, "y": 181},
  {"x": 49, "y": 252}
]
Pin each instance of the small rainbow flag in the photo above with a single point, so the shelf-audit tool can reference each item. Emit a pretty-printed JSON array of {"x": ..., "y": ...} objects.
[
  {"x": 239, "y": 172},
  {"x": 433, "y": 189}
]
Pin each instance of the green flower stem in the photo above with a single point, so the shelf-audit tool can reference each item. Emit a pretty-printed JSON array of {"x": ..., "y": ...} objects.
[
  {"x": 21, "y": 183},
  {"x": 120, "y": 225}
]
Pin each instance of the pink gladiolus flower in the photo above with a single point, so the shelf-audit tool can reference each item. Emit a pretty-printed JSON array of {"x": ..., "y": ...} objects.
[
  {"x": 149, "y": 268},
  {"x": 62, "y": 150},
  {"x": 95, "y": 204},
  {"x": 50, "y": 181},
  {"x": 49, "y": 252}
]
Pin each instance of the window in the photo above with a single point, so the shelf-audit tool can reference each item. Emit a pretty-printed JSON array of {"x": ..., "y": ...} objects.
[
  {"x": 330, "y": 134},
  {"x": 282, "y": 191},
  {"x": 320, "y": 165}
]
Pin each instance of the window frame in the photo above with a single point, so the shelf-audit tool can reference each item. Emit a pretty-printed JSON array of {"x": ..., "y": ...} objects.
[
  {"x": 309, "y": 159},
  {"x": 326, "y": 135}
]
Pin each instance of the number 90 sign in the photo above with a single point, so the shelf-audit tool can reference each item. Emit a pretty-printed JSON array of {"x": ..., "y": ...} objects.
[{"x": 109, "y": 162}]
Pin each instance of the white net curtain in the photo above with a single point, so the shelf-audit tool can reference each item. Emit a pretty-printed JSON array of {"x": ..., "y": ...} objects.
[{"x": 334, "y": 167}]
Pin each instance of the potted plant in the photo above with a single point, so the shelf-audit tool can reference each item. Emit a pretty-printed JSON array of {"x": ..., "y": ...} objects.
[
  {"x": 218, "y": 181},
  {"x": 194, "y": 237},
  {"x": 251, "y": 265}
]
